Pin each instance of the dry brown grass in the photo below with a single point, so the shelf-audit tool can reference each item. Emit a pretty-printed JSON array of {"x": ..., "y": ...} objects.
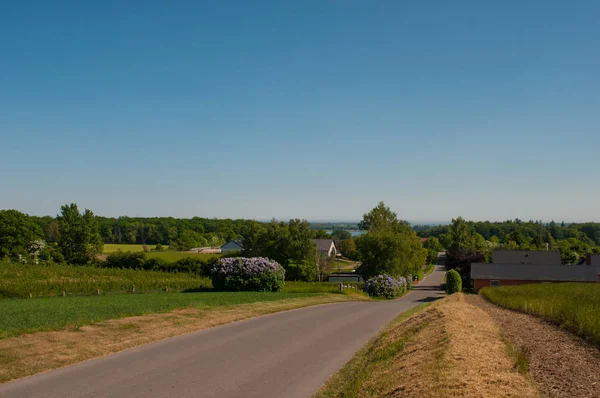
[
  {"x": 29, "y": 354},
  {"x": 451, "y": 349}
]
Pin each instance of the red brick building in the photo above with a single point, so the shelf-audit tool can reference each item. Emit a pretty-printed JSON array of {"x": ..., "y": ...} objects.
[{"x": 529, "y": 267}]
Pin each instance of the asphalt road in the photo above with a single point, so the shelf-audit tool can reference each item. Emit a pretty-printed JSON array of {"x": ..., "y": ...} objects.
[{"x": 288, "y": 354}]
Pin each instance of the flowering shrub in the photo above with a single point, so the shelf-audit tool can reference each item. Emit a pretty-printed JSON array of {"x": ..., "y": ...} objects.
[
  {"x": 386, "y": 286},
  {"x": 248, "y": 274}
]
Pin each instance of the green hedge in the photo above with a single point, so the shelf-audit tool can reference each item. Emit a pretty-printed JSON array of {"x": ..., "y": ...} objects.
[{"x": 453, "y": 282}]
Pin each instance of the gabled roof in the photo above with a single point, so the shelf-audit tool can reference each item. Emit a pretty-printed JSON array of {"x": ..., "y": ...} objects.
[
  {"x": 535, "y": 272},
  {"x": 323, "y": 245},
  {"x": 525, "y": 257},
  {"x": 236, "y": 242}
]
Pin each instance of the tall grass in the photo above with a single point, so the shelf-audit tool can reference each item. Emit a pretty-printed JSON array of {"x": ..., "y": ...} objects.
[
  {"x": 19, "y": 281},
  {"x": 575, "y": 306}
]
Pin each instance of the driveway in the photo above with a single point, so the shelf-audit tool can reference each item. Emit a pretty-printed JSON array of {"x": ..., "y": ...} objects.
[{"x": 288, "y": 354}]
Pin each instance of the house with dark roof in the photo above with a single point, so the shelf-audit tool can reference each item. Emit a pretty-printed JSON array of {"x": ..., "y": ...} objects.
[
  {"x": 518, "y": 267},
  {"x": 325, "y": 247},
  {"x": 525, "y": 257},
  {"x": 232, "y": 246}
]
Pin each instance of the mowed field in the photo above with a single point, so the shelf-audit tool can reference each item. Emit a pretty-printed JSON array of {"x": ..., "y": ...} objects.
[
  {"x": 113, "y": 247},
  {"x": 169, "y": 256}
]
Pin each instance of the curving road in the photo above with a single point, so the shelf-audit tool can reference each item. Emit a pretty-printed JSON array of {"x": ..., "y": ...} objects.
[{"x": 288, "y": 354}]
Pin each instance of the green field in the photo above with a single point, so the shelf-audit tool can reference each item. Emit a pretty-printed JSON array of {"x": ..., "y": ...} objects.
[
  {"x": 113, "y": 247},
  {"x": 54, "y": 313},
  {"x": 18, "y": 281},
  {"x": 174, "y": 256},
  {"x": 575, "y": 306}
]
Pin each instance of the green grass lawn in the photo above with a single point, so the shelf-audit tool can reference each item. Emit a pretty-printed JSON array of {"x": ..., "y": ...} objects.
[
  {"x": 114, "y": 247},
  {"x": 575, "y": 306},
  {"x": 55, "y": 313}
]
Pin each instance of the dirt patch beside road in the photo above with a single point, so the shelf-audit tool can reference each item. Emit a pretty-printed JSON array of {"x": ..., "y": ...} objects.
[{"x": 560, "y": 363}]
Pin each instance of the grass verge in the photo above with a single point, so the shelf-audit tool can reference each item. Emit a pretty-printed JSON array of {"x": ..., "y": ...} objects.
[
  {"x": 574, "y": 306},
  {"x": 54, "y": 313},
  {"x": 28, "y": 354},
  {"x": 449, "y": 348}
]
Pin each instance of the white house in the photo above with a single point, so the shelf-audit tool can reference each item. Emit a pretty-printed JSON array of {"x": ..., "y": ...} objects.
[
  {"x": 232, "y": 246},
  {"x": 325, "y": 247}
]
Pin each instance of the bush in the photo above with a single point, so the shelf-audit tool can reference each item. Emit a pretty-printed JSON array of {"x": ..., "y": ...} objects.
[
  {"x": 301, "y": 272},
  {"x": 248, "y": 274},
  {"x": 130, "y": 260},
  {"x": 453, "y": 282},
  {"x": 159, "y": 248},
  {"x": 386, "y": 286},
  {"x": 198, "y": 266}
]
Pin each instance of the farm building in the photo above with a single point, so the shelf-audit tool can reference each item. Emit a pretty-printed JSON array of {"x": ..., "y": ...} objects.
[
  {"x": 325, "y": 247},
  {"x": 232, "y": 246},
  {"x": 519, "y": 274}
]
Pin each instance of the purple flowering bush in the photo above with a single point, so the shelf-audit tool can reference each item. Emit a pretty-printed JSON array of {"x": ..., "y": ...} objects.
[
  {"x": 248, "y": 274},
  {"x": 386, "y": 286}
]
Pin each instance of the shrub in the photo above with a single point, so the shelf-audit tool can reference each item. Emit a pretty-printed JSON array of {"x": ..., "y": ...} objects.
[
  {"x": 386, "y": 286},
  {"x": 301, "y": 272},
  {"x": 193, "y": 265},
  {"x": 453, "y": 282},
  {"x": 130, "y": 260},
  {"x": 159, "y": 248},
  {"x": 248, "y": 274}
]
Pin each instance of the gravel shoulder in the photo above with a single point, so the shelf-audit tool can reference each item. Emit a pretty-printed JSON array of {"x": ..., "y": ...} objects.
[{"x": 560, "y": 363}]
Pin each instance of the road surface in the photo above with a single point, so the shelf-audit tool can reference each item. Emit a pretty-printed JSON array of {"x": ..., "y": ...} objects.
[{"x": 288, "y": 354}]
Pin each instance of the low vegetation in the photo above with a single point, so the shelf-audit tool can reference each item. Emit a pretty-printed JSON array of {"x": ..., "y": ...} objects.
[
  {"x": 445, "y": 349},
  {"x": 31, "y": 353},
  {"x": 453, "y": 282},
  {"x": 248, "y": 274},
  {"x": 385, "y": 286},
  {"x": 54, "y": 313},
  {"x": 18, "y": 281},
  {"x": 115, "y": 247},
  {"x": 573, "y": 305}
]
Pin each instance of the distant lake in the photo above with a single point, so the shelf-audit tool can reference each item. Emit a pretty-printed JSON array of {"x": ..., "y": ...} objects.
[{"x": 353, "y": 233}]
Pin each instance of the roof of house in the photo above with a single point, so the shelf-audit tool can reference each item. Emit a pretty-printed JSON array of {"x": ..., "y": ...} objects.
[
  {"x": 535, "y": 272},
  {"x": 596, "y": 260},
  {"x": 423, "y": 240},
  {"x": 236, "y": 242},
  {"x": 323, "y": 245},
  {"x": 525, "y": 257}
]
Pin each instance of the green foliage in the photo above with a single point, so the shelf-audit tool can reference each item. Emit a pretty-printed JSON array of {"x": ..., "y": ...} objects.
[
  {"x": 248, "y": 274},
  {"x": 348, "y": 249},
  {"x": 390, "y": 246},
  {"x": 17, "y": 233},
  {"x": 341, "y": 235},
  {"x": 573, "y": 305},
  {"x": 159, "y": 248},
  {"x": 380, "y": 218},
  {"x": 453, "y": 282},
  {"x": 56, "y": 313},
  {"x": 433, "y": 247},
  {"x": 80, "y": 239},
  {"x": 320, "y": 234},
  {"x": 323, "y": 287},
  {"x": 301, "y": 272},
  {"x": 287, "y": 243},
  {"x": 48, "y": 279},
  {"x": 142, "y": 261}
]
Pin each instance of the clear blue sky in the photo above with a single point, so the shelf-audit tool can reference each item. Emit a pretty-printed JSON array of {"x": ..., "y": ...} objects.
[{"x": 312, "y": 109}]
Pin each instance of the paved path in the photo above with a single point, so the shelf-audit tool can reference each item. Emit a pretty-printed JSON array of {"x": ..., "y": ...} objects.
[{"x": 289, "y": 354}]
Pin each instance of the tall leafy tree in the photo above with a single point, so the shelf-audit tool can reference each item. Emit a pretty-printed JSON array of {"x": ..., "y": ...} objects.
[
  {"x": 80, "y": 238},
  {"x": 390, "y": 246},
  {"x": 17, "y": 233}
]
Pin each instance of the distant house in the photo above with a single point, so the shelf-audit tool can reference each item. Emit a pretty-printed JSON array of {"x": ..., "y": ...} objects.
[
  {"x": 518, "y": 267},
  {"x": 325, "y": 247},
  {"x": 232, "y": 246},
  {"x": 423, "y": 240}
]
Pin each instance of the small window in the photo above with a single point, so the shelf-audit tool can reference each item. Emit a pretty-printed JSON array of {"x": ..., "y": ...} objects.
[{"x": 495, "y": 283}]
